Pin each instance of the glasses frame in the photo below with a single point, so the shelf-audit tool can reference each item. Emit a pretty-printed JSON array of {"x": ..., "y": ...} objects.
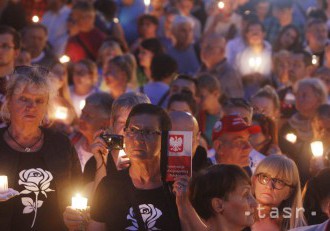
[
  {"x": 273, "y": 180},
  {"x": 143, "y": 133}
]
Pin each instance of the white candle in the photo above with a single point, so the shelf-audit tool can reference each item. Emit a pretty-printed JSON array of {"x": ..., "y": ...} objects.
[
  {"x": 3, "y": 184},
  {"x": 292, "y": 138},
  {"x": 147, "y": 4},
  {"x": 317, "y": 148},
  {"x": 79, "y": 202}
]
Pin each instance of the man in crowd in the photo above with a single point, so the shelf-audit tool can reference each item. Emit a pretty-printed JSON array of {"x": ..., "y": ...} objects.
[
  {"x": 34, "y": 40},
  {"x": 215, "y": 63},
  {"x": 89, "y": 39}
]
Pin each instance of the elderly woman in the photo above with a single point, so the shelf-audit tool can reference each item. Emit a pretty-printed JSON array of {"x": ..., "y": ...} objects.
[
  {"x": 137, "y": 199},
  {"x": 40, "y": 164},
  {"x": 220, "y": 195},
  {"x": 310, "y": 94},
  {"x": 276, "y": 186}
]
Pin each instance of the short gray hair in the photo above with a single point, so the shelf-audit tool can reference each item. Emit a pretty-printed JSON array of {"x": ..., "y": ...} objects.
[
  {"x": 317, "y": 85},
  {"x": 102, "y": 100},
  {"x": 180, "y": 19},
  {"x": 128, "y": 101},
  {"x": 37, "y": 77}
]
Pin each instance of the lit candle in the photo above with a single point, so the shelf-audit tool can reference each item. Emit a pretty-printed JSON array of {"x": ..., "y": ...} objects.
[
  {"x": 79, "y": 202},
  {"x": 317, "y": 148},
  {"x": 82, "y": 104},
  {"x": 35, "y": 19},
  {"x": 292, "y": 138},
  {"x": 255, "y": 63},
  {"x": 64, "y": 59},
  {"x": 315, "y": 60},
  {"x": 61, "y": 113},
  {"x": 147, "y": 4},
  {"x": 221, "y": 5},
  {"x": 3, "y": 184},
  {"x": 116, "y": 20}
]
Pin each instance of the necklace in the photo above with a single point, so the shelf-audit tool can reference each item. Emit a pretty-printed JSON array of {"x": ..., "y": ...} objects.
[{"x": 26, "y": 149}]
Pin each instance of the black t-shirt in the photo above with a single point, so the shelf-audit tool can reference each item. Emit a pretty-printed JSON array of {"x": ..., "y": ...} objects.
[
  {"x": 115, "y": 198},
  {"x": 36, "y": 207}
]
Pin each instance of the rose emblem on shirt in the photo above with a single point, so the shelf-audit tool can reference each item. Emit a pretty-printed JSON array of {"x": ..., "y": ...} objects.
[
  {"x": 149, "y": 214},
  {"x": 34, "y": 180}
]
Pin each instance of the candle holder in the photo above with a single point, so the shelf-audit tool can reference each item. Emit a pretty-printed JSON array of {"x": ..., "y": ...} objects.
[{"x": 79, "y": 203}]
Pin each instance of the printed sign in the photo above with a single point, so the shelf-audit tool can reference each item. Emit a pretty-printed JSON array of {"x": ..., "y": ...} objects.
[{"x": 179, "y": 154}]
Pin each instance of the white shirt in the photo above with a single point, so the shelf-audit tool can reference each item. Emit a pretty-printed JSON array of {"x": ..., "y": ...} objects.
[{"x": 56, "y": 23}]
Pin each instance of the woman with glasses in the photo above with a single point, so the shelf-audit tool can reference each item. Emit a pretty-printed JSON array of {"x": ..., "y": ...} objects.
[
  {"x": 41, "y": 165},
  {"x": 137, "y": 198},
  {"x": 276, "y": 187}
]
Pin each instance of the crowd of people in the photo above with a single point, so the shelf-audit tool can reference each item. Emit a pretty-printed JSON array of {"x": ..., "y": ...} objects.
[{"x": 250, "y": 79}]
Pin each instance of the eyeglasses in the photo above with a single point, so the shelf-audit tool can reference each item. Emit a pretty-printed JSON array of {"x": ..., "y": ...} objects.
[
  {"x": 146, "y": 134},
  {"x": 276, "y": 183},
  {"x": 31, "y": 71}
]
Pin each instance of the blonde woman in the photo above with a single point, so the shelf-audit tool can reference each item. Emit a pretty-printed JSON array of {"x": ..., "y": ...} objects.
[
  {"x": 276, "y": 186},
  {"x": 42, "y": 165}
]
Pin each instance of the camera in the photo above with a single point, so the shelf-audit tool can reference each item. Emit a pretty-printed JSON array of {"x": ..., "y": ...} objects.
[{"x": 114, "y": 142}]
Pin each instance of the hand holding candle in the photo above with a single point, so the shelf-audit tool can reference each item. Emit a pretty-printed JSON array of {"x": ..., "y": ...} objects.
[{"x": 5, "y": 193}]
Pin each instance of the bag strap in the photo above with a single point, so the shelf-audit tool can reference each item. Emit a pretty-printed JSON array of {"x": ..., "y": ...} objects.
[
  {"x": 83, "y": 45},
  {"x": 161, "y": 101}
]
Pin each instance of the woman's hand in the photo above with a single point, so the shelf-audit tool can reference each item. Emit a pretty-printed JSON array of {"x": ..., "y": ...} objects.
[
  {"x": 99, "y": 148},
  {"x": 75, "y": 219},
  {"x": 180, "y": 188},
  {"x": 10, "y": 193}
]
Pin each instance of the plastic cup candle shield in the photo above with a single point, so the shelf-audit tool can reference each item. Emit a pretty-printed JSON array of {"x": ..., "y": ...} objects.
[
  {"x": 79, "y": 202},
  {"x": 292, "y": 138},
  {"x": 317, "y": 148},
  {"x": 3, "y": 184}
]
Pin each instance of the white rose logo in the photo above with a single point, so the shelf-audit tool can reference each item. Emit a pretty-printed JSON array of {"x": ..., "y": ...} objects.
[
  {"x": 35, "y": 180},
  {"x": 149, "y": 215}
]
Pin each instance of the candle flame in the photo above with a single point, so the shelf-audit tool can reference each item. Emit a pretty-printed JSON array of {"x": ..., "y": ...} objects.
[
  {"x": 61, "y": 113},
  {"x": 221, "y": 5},
  {"x": 147, "y": 2},
  {"x": 35, "y": 19},
  {"x": 79, "y": 202},
  {"x": 292, "y": 138},
  {"x": 317, "y": 148},
  {"x": 64, "y": 59}
]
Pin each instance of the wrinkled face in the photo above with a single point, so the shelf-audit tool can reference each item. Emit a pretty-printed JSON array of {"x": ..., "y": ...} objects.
[
  {"x": 288, "y": 38},
  {"x": 8, "y": 53},
  {"x": 91, "y": 120},
  {"x": 233, "y": 148},
  {"x": 35, "y": 41},
  {"x": 179, "y": 106},
  {"x": 240, "y": 207},
  {"x": 146, "y": 146},
  {"x": 255, "y": 35},
  {"x": 208, "y": 100},
  {"x": 82, "y": 77},
  {"x": 266, "y": 193},
  {"x": 297, "y": 68},
  {"x": 306, "y": 100},
  {"x": 184, "y": 34},
  {"x": 180, "y": 85},
  {"x": 264, "y": 106},
  {"x": 28, "y": 107},
  {"x": 145, "y": 57}
]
